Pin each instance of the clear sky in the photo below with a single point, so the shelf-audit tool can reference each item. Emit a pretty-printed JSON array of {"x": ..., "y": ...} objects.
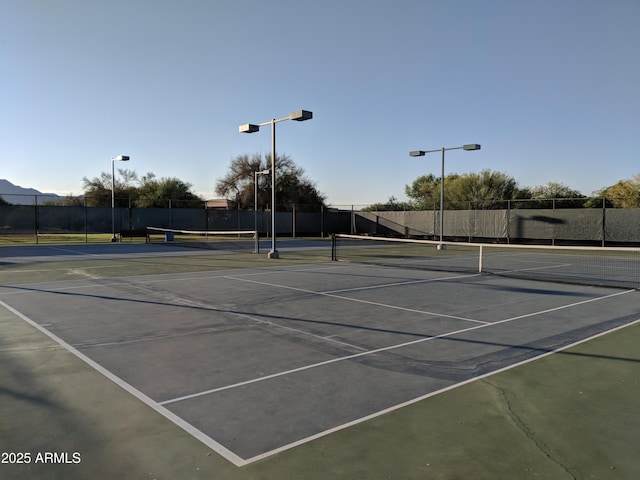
[{"x": 549, "y": 88}]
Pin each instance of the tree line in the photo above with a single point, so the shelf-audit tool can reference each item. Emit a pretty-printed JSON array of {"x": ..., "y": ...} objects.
[
  {"x": 484, "y": 190},
  {"x": 491, "y": 190},
  {"x": 239, "y": 186},
  {"x": 130, "y": 190}
]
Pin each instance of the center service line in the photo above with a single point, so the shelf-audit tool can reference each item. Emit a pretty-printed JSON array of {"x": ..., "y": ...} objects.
[{"x": 328, "y": 294}]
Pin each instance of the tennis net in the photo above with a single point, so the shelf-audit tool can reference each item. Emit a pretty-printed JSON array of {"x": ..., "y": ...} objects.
[
  {"x": 233, "y": 240},
  {"x": 595, "y": 266}
]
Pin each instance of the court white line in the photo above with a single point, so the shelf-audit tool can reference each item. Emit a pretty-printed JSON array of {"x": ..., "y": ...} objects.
[
  {"x": 62, "y": 269},
  {"x": 239, "y": 461},
  {"x": 187, "y": 427},
  {"x": 397, "y": 284},
  {"x": 546, "y": 267},
  {"x": 131, "y": 280},
  {"x": 194, "y": 303},
  {"x": 166, "y": 296},
  {"x": 382, "y": 349},
  {"x": 428, "y": 395},
  {"x": 384, "y": 305},
  {"x": 75, "y": 252},
  {"x": 562, "y": 307},
  {"x": 308, "y": 367}
]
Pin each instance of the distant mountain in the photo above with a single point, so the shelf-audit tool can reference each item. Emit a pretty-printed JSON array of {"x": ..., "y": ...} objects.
[{"x": 17, "y": 195}]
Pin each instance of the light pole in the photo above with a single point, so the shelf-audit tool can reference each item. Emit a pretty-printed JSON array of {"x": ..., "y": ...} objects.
[
  {"x": 299, "y": 116},
  {"x": 119, "y": 158},
  {"x": 255, "y": 205},
  {"x": 421, "y": 153}
]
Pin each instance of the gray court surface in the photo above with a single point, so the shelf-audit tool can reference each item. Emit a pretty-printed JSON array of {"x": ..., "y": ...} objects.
[
  {"x": 60, "y": 252},
  {"x": 255, "y": 361}
]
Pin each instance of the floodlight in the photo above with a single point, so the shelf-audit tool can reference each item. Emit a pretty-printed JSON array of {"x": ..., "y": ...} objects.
[
  {"x": 119, "y": 158},
  {"x": 248, "y": 128},
  {"x": 301, "y": 115},
  {"x": 420, "y": 153}
]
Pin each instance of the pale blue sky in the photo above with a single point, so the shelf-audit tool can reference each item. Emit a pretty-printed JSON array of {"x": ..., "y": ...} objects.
[{"x": 550, "y": 88}]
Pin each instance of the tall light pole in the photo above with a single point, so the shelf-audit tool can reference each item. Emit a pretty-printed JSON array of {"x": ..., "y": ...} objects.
[
  {"x": 255, "y": 205},
  {"x": 421, "y": 153},
  {"x": 119, "y": 158},
  {"x": 299, "y": 116}
]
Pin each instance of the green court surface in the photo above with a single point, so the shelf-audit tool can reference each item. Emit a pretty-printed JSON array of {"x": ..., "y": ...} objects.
[{"x": 567, "y": 412}]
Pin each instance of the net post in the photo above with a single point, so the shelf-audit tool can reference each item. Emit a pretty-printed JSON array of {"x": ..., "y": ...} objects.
[{"x": 480, "y": 260}]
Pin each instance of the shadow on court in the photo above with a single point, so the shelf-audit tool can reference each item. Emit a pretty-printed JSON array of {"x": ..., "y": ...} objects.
[{"x": 531, "y": 350}]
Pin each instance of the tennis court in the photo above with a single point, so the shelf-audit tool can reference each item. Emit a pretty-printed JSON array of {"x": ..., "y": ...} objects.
[{"x": 254, "y": 361}]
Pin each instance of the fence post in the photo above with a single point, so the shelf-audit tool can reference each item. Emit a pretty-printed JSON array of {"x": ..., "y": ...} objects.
[
  {"x": 130, "y": 215},
  {"x": 434, "y": 221},
  {"x": 604, "y": 217},
  {"x": 471, "y": 223},
  {"x": 86, "y": 220},
  {"x": 35, "y": 216},
  {"x": 553, "y": 225},
  {"x": 508, "y": 221},
  {"x": 353, "y": 220}
]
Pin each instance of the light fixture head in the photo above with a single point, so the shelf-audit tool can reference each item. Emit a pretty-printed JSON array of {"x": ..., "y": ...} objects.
[
  {"x": 248, "y": 128},
  {"x": 417, "y": 153},
  {"x": 471, "y": 146},
  {"x": 301, "y": 115}
]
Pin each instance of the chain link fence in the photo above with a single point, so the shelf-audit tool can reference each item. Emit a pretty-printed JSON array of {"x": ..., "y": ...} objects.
[{"x": 553, "y": 221}]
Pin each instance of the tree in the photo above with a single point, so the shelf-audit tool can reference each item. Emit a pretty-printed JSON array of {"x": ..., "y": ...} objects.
[
  {"x": 624, "y": 194},
  {"x": 158, "y": 193},
  {"x": 392, "y": 205},
  {"x": 292, "y": 187},
  {"x": 557, "y": 195},
  {"x": 486, "y": 189},
  {"x": 145, "y": 192},
  {"x": 555, "y": 190},
  {"x": 98, "y": 189},
  {"x": 424, "y": 192}
]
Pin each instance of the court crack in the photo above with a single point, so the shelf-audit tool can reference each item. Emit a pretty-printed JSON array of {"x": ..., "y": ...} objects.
[{"x": 528, "y": 432}]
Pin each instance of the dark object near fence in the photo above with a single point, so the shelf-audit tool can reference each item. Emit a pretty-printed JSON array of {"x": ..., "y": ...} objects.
[{"x": 135, "y": 234}]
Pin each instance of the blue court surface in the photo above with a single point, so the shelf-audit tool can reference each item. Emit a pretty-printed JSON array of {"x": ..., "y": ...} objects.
[{"x": 256, "y": 361}]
